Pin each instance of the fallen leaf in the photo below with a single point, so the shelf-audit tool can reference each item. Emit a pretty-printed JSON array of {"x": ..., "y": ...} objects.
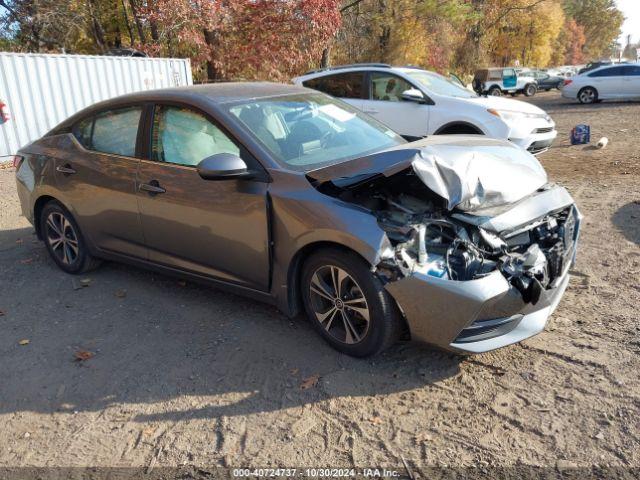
[
  {"x": 121, "y": 293},
  {"x": 82, "y": 355},
  {"x": 375, "y": 420},
  {"x": 1, "y": 313},
  {"x": 24, "y": 342},
  {"x": 85, "y": 282},
  {"x": 182, "y": 283},
  {"x": 26, "y": 261},
  {"x": 294, "y": 371},
  {"x": 310, "y": 382}
]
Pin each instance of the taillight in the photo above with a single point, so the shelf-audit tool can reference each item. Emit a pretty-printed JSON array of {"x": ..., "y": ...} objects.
[
  {"x": 568, "y": 82},
  {"x": 17, "y": 161}
]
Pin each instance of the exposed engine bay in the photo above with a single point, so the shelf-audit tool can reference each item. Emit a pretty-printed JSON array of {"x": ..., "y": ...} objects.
[{"x": 427, "y": 237}]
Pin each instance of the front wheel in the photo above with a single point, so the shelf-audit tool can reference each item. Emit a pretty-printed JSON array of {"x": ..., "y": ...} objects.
[
  {"x": 64, "y": 240},
  {"x": 588, "y": 95},
  {"x": 495, "y": 92},
  {"x": 348, "y": 305}
]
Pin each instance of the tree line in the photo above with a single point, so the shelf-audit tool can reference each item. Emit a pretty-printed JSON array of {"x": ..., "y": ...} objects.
[{"x": 276, "y": 39}]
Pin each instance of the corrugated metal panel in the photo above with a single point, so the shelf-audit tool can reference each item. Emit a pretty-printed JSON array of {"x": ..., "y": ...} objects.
[{"x": 41, "y": 90}]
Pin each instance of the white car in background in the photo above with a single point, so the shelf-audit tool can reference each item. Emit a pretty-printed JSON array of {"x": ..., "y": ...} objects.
[
  {"x": 416, "y": 103},
  {"x": 609, "y": 82}
]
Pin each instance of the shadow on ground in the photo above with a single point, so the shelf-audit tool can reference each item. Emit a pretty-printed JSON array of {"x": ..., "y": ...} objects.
[
  {"x": 156, "y": 340},
  {"x": 627, "y": 219}
]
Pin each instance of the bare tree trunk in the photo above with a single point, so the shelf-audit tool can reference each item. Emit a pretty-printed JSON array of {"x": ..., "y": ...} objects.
[
  {"x": 136, "y": 18},
  {"x": 96, "y": 27},
  {"x": 325, "y": 61},
  {"x": 126, "y": 22},
  {"x": 211, "y": 38}
]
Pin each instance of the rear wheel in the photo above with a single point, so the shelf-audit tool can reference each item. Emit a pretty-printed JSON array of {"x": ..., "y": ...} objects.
[
  {"x": 348, "y": 305},
  {"x": 588, "y": 95},
  {"x": 64, "y": 240},
  {"x": 530, "y": 90},
  {"x": 495, "y": 91}
]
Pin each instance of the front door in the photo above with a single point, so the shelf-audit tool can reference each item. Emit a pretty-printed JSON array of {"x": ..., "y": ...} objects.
[
  {"x": 385, "y": 104},
  {"x": 212, "y": 228},
  {"x": 631, "y": 81}
]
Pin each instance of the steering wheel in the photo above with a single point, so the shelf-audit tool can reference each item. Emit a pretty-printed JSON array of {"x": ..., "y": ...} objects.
[{"x": 326, "y": 137}]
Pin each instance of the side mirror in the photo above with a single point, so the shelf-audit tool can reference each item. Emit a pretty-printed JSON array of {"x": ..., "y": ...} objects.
[
  {"x": 413, "y": 95},
  {"x": 223, "y": 166}
]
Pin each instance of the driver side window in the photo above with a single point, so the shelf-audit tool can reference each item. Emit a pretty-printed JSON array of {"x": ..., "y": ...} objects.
[
  {"x": 388, "y": 87},
  {"x": 185, "y": 137}
]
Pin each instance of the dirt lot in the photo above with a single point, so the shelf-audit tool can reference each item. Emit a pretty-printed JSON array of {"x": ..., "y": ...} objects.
[{"x": 187, "y": 375}]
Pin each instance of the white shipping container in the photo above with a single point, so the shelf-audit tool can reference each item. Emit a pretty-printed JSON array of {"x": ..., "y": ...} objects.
[{"x": 41, "y": 90}]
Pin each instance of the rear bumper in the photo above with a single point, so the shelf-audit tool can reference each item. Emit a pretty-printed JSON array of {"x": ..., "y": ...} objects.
[{"x": 478, "y": 315}]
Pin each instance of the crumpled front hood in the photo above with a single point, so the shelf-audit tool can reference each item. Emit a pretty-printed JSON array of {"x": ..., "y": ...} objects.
[{"x": 470, "y": 173}]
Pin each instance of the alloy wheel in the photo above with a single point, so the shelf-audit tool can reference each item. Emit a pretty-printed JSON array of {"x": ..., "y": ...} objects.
[
  {"x": 587, "y": 96},
  {"x": 62, "y": 238},
  {"x": 339, "y": 304}
]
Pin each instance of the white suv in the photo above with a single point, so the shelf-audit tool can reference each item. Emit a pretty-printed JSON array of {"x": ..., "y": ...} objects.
[{"x": 416, "y": 103}]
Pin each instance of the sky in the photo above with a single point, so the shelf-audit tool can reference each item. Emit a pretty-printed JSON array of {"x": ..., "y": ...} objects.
[{"x": 631, "y": 26}]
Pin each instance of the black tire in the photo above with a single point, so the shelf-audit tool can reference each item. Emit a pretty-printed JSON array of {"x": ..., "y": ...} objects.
[
  {"x": 588, "y": 95},
  {"x": 560, "y": 85},
  {"x": 72, "y": 256},
  {"x": 547, "y": 89},
  {"x": 530, "y": 90},
  {"x": 385, "y": 321},
  {"x": 495, "y": 91}
]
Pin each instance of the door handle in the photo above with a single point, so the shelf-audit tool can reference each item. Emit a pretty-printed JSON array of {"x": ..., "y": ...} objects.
[
  {"x": 66, "y": 169},
  {"x": 152, "y": 188}
]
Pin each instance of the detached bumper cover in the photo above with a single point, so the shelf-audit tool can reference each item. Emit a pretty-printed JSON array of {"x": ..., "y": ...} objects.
[{"x": 477, "y": 315}]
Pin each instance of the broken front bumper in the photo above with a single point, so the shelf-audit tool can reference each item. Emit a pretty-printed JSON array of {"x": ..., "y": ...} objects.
[{"x": 477, "y": 315}]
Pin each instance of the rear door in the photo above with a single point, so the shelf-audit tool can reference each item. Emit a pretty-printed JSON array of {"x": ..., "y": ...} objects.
[
  {"x": 212, "y": 228},
  {"x": 96, "y": 174},
  {"x": 348, "y": 86},
  {"x": 385, "y": 103},
  {"x": 608, "y": 82}
]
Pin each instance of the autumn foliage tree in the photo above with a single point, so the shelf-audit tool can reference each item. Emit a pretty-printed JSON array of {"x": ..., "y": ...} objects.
[{"x": 276, "y": 39}]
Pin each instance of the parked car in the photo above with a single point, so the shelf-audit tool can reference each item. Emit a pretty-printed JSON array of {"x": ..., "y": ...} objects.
[
  {"x": 593, "y": 65},
  {"x": 416, "y": 103},
  {"x": 498, "y": 81},
  {"x": 610, "y": 82},
  {"x": 295, "y": 198},
  {"x": 546, "y": 81}
]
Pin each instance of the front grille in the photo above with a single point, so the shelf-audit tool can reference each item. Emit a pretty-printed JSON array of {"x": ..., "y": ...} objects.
[{"x": 543, "y": 130}]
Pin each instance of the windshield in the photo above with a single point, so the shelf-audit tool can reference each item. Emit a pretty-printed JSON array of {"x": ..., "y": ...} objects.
[
  {"x": 307, "y": 131},
  {"x": 440, "y": 85}
]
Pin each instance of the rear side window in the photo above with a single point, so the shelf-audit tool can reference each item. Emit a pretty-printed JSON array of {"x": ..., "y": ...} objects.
[
  {"x": 113, "y": 131},
  {"x": 343, "y": 85},
  {"x": 116, "y": 131},
  {"x": 608, "y": 72}
]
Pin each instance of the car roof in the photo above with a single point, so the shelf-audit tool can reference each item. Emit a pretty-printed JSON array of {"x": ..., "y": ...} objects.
[
  {"x": 223, "y": 92},
  {"x": 356, "y": 67},
  {"x": 201, "y": 96}
]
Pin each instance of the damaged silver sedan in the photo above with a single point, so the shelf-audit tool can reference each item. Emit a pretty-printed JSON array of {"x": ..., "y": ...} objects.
[{"x": 294, "y": 198}]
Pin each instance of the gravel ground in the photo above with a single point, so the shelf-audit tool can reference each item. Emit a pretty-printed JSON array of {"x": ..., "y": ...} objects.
[{"x": 187, "y": 375}]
